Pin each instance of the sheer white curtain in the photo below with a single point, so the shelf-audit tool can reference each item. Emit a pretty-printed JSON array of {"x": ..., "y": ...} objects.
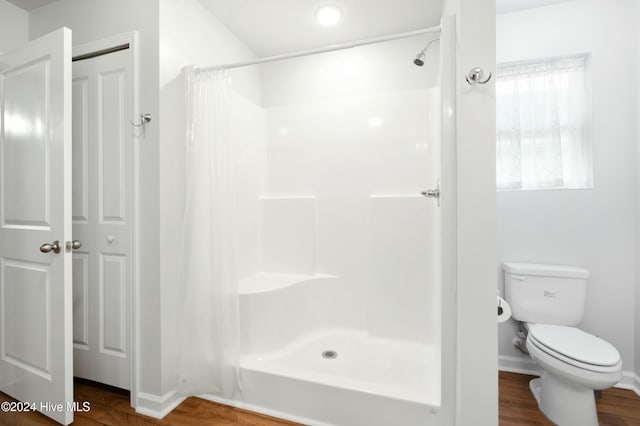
[
  {"x": 542, "y": 125},
  {"x": 209, "y": 287}
]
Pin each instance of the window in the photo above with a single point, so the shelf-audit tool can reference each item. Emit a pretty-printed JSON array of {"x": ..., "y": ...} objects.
[{"x": 542, "y": 116}]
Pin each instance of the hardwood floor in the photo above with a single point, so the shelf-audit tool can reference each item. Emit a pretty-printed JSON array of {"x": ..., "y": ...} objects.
[
  {"x": 110, "y": 406},
  {"x": 617, "y": 407}
]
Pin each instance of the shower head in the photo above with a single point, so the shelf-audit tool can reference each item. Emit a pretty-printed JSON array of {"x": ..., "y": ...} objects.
[{"x": 419, "y": 60}]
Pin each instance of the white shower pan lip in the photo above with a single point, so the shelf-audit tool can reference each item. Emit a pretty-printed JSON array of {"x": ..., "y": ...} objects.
[
  {"x": 395, "y": 369},
  {"x": 265, "y": 282}
]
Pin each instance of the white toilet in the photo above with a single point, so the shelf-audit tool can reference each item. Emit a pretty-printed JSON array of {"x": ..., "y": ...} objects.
[{"x": 549, "y": 300}]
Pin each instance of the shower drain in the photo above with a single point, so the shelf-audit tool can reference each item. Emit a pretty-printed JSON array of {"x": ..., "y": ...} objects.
[{"x": 329, "y": 354}]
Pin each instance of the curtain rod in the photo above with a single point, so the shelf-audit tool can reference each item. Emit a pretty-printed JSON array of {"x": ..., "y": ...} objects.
[{"x": 325, "y": 49}]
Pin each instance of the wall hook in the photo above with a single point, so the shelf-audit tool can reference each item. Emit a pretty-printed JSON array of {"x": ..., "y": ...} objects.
[
  {"x": 476, "y": 76},
  {"x": 144, "y": 119}
]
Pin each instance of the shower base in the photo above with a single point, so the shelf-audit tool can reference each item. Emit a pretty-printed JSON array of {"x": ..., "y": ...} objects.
[{"x": 369, "y": 381}]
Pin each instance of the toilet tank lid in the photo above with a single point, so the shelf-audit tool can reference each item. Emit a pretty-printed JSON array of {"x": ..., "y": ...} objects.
[{"x": 545, "y": 270}]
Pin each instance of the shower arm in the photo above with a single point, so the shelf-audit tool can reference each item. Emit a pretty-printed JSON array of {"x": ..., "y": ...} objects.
[{"x": 424, "y": 51}]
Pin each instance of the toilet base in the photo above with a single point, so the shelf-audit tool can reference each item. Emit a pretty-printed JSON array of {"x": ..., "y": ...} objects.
[{"x": 563, "y": 402}]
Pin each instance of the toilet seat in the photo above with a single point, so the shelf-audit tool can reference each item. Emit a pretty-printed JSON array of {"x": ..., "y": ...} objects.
[{"x": 575, "y": 347}]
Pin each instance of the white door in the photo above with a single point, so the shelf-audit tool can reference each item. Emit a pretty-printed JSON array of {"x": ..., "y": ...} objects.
[
  {"x": 102, "y": 218},
  {"x": 35, "y": 211}
]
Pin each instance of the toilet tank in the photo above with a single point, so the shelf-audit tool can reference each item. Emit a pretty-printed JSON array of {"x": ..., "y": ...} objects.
[{"x": 548, "y": 294}]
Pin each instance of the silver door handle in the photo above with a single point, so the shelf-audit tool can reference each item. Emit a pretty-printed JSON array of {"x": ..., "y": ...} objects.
[
  {"x": 75, "y": 244},
  {"x": 54, "y": 247}
]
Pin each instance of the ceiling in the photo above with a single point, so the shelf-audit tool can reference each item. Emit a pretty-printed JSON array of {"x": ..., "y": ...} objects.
[
  {"x": 30, "y": 4},
  {"x": 506, "y": 6},
  {"x": 279, "y": 26}
]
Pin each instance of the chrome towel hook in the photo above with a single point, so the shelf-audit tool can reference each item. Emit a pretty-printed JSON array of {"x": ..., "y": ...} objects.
[
  {"x": 144, "y": 119},
  {"x": 476, "y": 76}
]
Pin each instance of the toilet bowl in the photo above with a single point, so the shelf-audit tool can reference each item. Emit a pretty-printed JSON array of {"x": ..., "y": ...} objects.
[{"x": 574, "y": 364}]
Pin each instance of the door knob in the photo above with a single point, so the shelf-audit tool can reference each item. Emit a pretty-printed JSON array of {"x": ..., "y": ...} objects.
[
  {"x": 54, "y": 247},
  {"x": 75, "y": 244}
]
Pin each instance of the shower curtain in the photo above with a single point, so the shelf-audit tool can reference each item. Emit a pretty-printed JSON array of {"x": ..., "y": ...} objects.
[{"x": 208, "y": 314}]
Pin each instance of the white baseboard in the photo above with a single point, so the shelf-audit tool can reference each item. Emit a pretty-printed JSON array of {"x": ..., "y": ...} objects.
[
  {"x": 158, "y": 406},
  {"x": 629, "y": 381},
  {"x": 522, "y": 365},
  {"x": 516, "y": 364}
]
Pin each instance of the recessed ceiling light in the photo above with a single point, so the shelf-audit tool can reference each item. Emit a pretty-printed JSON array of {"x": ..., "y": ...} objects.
[{"x": 328, "y": 16}]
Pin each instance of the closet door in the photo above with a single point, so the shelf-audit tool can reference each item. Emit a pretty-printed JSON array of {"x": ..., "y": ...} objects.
[
  {"x": 102, "y": 137},
  {"x": 35, "y": 226}
]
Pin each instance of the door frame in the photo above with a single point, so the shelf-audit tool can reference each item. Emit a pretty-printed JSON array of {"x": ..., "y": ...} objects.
[{"x": 103, "y": 45}]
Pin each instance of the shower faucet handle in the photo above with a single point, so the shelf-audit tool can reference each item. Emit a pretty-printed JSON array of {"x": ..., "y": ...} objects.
[{"x": 431, "y": 193}]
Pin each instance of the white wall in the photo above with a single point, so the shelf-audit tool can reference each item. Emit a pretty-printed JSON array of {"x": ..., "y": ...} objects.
[
  {"x": 362, "y": 71},
  {"x": 477, "y": 382},
  {"x": 346, "y": 126},
  {"x": 591, "y": 228},
  {"x": 13, "y": 26},
  {"x": 91, "y": 20},
  {"x": 191, "y": 35}
]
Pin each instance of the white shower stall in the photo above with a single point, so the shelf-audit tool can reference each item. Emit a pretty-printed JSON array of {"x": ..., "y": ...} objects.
[{"x": 337, "y": 253}]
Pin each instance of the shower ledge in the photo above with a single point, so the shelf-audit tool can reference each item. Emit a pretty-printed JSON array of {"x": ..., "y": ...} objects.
[{"x": 263, "y": 282}]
